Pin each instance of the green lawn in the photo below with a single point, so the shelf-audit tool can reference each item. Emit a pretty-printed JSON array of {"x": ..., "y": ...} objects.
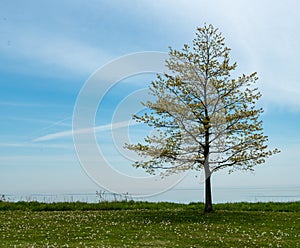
[{"x": 149, "y": 225}]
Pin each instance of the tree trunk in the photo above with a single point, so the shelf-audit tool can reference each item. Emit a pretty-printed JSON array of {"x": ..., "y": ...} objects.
[{"x": 208, "y": 196}]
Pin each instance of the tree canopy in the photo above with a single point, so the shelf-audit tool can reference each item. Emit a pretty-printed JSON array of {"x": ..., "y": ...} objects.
[{"x": 203, "y": 117}]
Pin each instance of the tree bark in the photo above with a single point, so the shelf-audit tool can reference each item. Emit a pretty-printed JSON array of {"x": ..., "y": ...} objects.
[{"x": 208, "y": 195}]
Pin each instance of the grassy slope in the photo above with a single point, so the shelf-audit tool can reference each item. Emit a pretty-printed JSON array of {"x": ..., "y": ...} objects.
[{"x": 130, "y": 224}]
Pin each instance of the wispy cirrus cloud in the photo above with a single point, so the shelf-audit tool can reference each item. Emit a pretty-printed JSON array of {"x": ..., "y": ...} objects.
[
  {"x": 264, "y": 37},
  {"x": 20, "y": 104},
  {"x": 57, "y": 52},
  {"x": 31, "y": 104},
  {"x": 69, "y": 133},
  {"x": 50, "y": 123},
  {"x": 35, "y": 145}
]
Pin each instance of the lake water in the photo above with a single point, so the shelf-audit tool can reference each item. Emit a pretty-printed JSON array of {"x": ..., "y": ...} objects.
[
  {"x": 234, "y": 194},
  {"x": 180, "y": 195}
]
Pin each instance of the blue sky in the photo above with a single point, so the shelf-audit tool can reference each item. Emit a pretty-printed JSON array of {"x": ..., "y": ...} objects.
[{"x": 50, "y": 48}]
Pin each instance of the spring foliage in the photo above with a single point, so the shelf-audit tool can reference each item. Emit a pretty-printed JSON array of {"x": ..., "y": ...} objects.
[{"x": 202, "y": 117}]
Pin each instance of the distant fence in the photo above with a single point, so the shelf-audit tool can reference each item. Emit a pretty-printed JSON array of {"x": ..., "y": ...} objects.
[{"x": 99, "y": 196}]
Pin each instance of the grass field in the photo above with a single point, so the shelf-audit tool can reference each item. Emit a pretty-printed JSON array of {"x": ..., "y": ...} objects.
[{"x": 140, "y": 224}]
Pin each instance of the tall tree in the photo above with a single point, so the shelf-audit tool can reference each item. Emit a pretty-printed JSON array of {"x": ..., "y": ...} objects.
[{"x": 204, "y": 118}]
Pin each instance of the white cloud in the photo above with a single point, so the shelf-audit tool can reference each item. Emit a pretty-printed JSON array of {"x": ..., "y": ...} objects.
[
  {"x": 53, "y": 51},
  {"x": 69, "y": 133},
  {"x": 21, "y": 104},
  {"x": 50, "y": 123},
  {"x": 264, "y": 37},
  {"x": 25, "y": 160},
  {"x": 32, "y": 145}
]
